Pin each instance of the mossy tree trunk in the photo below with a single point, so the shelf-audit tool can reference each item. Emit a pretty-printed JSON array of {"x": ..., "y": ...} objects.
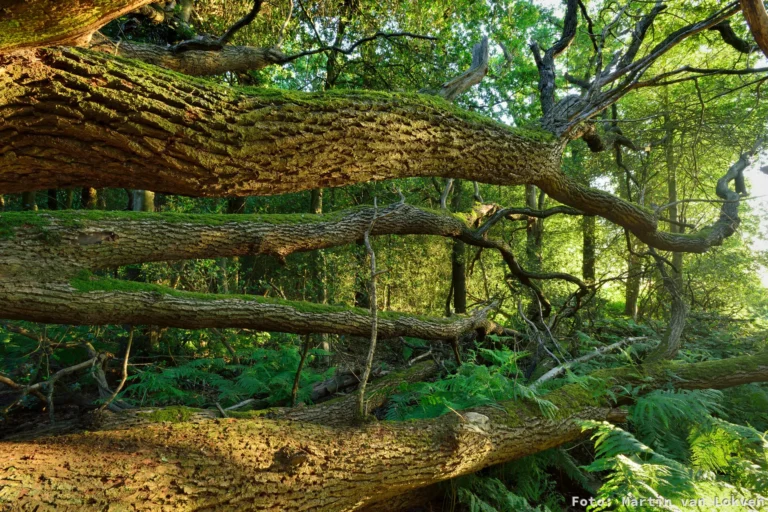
[
  {"x": 128, "y": 125},
  {"x": 54, "y": 253},
  {"x": 263, "y": 464}
]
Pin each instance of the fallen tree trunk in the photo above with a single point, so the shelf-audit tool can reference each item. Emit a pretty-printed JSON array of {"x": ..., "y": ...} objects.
[
  {"x": 247, "y": 464},
  {"x": 88, "y": 300},
  {"x": 72, "y": 117}
]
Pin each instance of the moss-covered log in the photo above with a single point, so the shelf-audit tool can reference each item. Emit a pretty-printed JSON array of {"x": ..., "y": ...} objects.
[
  {"x": 262, "y": 464},
  {"x": 35, "y": 23},
  {"x": 229, "y": 59},
  {"x": 90, "y": 300},
  {"x": 62, "y": 243},
  {"x": 77, "y": 118},
  {"x": 56, "y": 246}
]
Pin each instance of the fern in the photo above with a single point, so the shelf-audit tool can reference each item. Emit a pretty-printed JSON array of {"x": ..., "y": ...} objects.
[
  {"x": 488, "y": 494},
  {"x": 472, "y": 385},
  {"x": 663, "y": 418}
]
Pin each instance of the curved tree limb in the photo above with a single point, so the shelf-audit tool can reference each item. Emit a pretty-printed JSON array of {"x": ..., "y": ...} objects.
[{"x": 726, "y": 31}]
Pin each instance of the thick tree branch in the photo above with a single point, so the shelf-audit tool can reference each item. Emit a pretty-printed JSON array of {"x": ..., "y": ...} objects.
[
  {"x": 70, "y": 118},
  {"x": 101, "y": 301},
  {"x": 197, "y": 58},
  {"x": 229, "y": 463},
  {"x": 546, "y": 62},
  {"x": 726, "y": 31}
]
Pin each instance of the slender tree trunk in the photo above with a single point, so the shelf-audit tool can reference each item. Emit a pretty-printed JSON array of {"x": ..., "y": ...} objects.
[
  {"x": 28, "y": 201},
  {"x": 535, "y": 230},
  {"x": 674, "y": 209},
  {"x": 143, "y": 201},
  {"x": 89, "y": 198},
  {"x": 69, "y": 199},
  {"x": 458, "y": 259},
  {"x": 632, "y": 288},
  {"x": 588, "y": 225}
]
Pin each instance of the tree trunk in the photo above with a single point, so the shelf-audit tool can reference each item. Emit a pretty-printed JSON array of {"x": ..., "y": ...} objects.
[
  {"x": 757, "y": 18},
  {"x": 89, "y": 198},
  {"x": 632, "y": 289},
  {"x": 28, "y": 201},
  {"x": 49, "y": 23},
  {"x": 588, "y": 248},
  {"x": 458, "y": 260},
  {"x": 192, "y": 138},
  {"x": 143, "y": 201},
  {"x": 263, "y": 464},
  {"x": 534, "y": 231},
  {"x": 674, "y": 207}
]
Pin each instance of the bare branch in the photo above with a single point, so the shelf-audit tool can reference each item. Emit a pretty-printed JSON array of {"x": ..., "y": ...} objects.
[
  {"x": 554, "y": 372},
  {"x": 242, "y": 22},
  {"x": 473, "y": 76},
  {"x": 730, "y": 38}
]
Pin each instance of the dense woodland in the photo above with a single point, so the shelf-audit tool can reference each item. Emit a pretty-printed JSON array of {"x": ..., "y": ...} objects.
[{"x": 502, "y": 255}]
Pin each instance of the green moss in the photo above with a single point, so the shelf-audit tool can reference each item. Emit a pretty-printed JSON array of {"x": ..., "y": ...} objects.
[
  {"x": 86, "y": 282},
  {"x": 333, "y": 99},
  {"x": 12, "y": 221},
  {"x": 9, "y": 222},
  {"x": 246, "y": 415},
  {"x": 175, "y": 414}
]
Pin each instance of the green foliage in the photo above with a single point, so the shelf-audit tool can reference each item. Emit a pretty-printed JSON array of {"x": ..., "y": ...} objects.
[
  {"x": 472, "y": 385},
  {"x": 695, "y": 455},
  {"x": 488, "y": 494},
  {"x": 264, "y": 373}
]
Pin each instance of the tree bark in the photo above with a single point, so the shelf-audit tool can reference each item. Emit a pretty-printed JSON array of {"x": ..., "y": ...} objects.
[
  {"x": 258, "y": 463},
  {"x": 118, "y": 124},
  {"x": 31, "y": 24},
  {"x": 757, "y": 18}
]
